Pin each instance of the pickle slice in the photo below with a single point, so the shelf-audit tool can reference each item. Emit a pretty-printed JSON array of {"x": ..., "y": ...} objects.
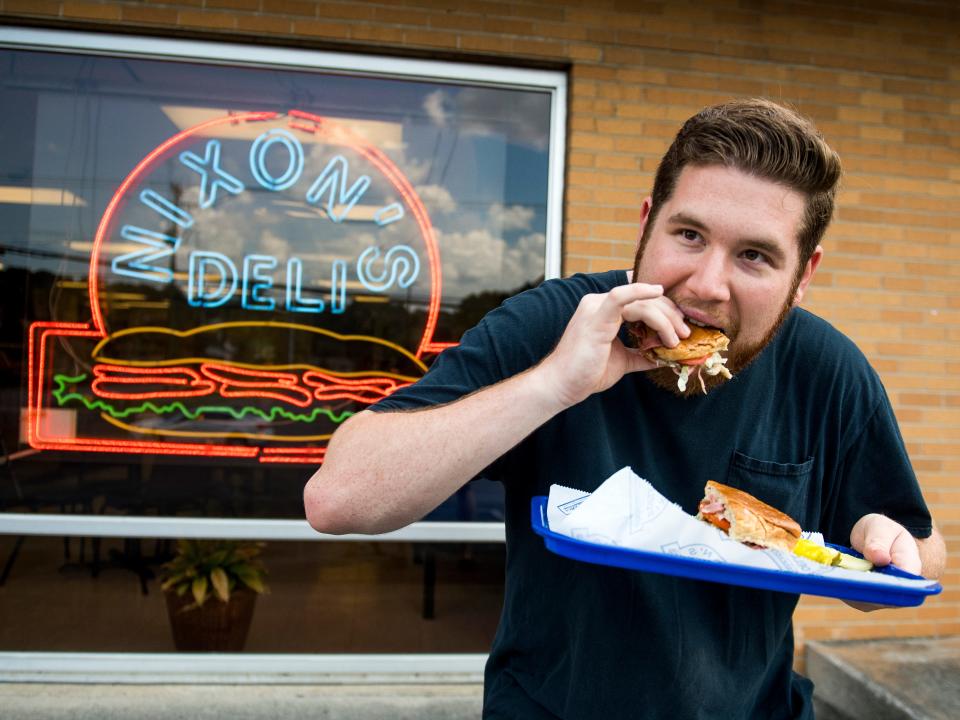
[{"x": 849, "y": 562}]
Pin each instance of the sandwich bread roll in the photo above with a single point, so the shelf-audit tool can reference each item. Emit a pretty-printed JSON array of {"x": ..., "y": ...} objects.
[{"x": 747, "y": 519}]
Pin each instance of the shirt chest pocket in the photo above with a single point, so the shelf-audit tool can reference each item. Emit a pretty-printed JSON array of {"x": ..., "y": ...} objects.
[{"x": 785, "y": 486}]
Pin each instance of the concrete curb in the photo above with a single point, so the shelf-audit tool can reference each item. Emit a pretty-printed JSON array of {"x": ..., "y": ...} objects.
[{"x": 36, "y": 701}]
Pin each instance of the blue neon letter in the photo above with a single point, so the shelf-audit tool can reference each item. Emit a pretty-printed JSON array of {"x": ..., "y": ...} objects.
[
  {"x": 400, "y": 267},
  {"x": 258, "y": 165},
  {"x": 338, "y": 287},
  {"x": 212, "y": 175},
  {"x": 136, "y": 263},
  {"x": 202, "y": 262},
  {"x": 333, "y": 183},
  {"x": 295, "y": 300},
  {"x": 250, "y": 295}
]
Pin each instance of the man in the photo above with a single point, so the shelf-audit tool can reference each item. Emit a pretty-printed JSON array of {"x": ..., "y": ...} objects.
[{"x": 547, "y": 390}]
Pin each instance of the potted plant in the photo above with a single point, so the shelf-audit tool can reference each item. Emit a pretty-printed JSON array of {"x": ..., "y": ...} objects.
[{"x": 211, "y": 587}]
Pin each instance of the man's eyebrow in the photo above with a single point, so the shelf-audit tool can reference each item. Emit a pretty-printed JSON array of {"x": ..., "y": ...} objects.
[
  {"x": 764, "y": 245},
  {"x": 681, "y": 218}
]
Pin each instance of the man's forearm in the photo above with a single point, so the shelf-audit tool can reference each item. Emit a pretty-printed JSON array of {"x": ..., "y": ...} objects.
[
  {"x": 933, "y": 555},
  {"x": 384, "y": 470}
]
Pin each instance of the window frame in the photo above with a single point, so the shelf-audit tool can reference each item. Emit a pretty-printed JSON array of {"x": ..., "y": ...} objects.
[{"x": 245, "y": 55}]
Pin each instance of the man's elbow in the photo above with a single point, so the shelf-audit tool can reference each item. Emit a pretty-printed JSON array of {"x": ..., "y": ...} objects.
[{"x": 326, "y": 510}]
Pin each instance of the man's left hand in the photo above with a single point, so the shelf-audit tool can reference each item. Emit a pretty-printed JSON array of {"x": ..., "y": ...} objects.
[{"x": 883, "y": 541}]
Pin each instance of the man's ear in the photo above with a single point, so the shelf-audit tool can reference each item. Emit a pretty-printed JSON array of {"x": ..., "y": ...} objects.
[
  {"x": 644, "y": 217},
  {"x": 808, "y": 272}
]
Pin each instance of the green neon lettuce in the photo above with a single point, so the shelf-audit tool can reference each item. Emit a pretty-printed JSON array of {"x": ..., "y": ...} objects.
[{"x": 63, "y": 397}]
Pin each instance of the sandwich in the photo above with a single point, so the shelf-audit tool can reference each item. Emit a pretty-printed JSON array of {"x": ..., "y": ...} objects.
[
  {"x": 699, "y": 352},
  {"x": 745, "y": 518},
  {"x": 751, "y": 521}
]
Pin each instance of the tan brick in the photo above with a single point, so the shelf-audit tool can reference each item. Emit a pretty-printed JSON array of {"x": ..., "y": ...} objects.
[
  {"x": 248, "y": 5},
  {"x": 584, "y": 53},
  {"x": 504, "y": 26},
  {"x": 616, "y": 162},
  {"x": 90, "y": 10},
  {"x": 882, "y": 100},
  {"x": 871, "y": 132},
  {"x": 371, "y": 33},
  {"x": 345, "y": 11},
  {"x": 322, "y": 28},
  {"x": 31, "y": 7},
  {"x": 204, "y": 19},
  {"x": 572, "y": 265},
  {"x": 487, "y": 43},
  {"x": 264, "y": 24},
  {"x": 286, "y": 8},
  {"x": 401, "y": 16},
  {"x": 909, "y": 284},
  {"x": 430, "y": 38},
  {"x": 589, "y": 141},
  {"x": 142, "y": 14}
]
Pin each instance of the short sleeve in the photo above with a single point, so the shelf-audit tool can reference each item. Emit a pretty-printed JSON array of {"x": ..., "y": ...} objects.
[
  {"x": 510, "y": 339},
  {"x": 471, "y": 365},
  {"x": 876, "y": 476}
]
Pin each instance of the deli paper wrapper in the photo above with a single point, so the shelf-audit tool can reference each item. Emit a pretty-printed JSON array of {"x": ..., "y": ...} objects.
[{"x": 626, "y": 511}]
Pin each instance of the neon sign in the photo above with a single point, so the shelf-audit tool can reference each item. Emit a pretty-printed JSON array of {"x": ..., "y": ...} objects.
[{"x": 234, "y": 369}]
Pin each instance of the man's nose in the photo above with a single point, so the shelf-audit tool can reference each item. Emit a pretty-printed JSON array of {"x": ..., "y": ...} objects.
[{"x": 710, "y": 278}]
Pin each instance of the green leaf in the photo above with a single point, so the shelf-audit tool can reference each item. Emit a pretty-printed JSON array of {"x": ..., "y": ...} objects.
[
  {"x": 199, "y": 589},
  {"x": 221, "y": 584},
  {"x": 252, "y": 580}
]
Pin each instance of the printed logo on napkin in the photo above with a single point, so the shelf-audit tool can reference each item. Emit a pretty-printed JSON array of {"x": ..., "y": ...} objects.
[{"x": 627, "y": 511}]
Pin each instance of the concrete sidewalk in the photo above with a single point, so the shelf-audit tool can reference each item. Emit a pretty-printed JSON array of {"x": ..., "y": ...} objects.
[
  {"x": 905, "y": 679},
  {"x": 39, "y": 701}
]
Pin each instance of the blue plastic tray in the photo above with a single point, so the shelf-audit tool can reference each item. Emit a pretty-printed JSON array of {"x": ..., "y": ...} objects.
[{"x": 699, "y": 569}]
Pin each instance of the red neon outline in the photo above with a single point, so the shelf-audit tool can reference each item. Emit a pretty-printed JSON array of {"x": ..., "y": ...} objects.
[
  {"x": 286, "y": 381},
  {"x": 294, "y": 456},
  {"x": 151, "y": 376}
]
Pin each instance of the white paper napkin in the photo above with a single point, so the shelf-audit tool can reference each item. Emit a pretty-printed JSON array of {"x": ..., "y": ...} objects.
[{"x": 626, "y": 511}]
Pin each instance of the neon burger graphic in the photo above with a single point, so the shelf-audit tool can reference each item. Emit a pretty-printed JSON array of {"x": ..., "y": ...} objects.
[{"x": 253, "y": 283}]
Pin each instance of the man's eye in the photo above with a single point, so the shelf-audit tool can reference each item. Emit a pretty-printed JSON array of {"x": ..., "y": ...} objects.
[
  {"x": 754, "y": 256},
  {"x": 691, "y": 235}
]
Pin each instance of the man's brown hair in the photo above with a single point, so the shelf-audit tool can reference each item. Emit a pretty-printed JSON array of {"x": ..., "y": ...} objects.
[{"x": 761, "y": 138}]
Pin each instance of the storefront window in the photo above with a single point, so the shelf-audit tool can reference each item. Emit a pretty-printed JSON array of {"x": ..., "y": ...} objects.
[{"x": 209, "y": 261}]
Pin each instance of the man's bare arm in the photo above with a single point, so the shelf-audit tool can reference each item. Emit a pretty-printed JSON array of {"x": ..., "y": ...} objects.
[
  {"x": 384, "y": 470},
  {"x": 933, "y": 555}
]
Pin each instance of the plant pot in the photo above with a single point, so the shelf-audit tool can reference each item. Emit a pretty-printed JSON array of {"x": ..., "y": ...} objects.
[{"x": 216, "y": 627}]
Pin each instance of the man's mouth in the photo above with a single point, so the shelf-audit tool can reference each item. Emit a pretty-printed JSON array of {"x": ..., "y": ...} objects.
[{"x": 701, "y": 321}]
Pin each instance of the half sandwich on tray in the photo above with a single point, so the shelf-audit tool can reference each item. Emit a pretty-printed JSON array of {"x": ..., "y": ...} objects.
[{"x": 751, "y": 521}]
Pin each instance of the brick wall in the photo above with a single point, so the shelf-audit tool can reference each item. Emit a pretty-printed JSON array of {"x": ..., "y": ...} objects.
[{"x": 881, "y": 78}]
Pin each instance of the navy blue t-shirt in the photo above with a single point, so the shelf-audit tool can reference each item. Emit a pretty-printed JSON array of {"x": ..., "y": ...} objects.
[{"x": 807, "y": 427}]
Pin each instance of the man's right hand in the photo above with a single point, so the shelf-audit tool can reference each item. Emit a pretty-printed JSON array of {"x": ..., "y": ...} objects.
[{"x": 590, "y": 357}]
